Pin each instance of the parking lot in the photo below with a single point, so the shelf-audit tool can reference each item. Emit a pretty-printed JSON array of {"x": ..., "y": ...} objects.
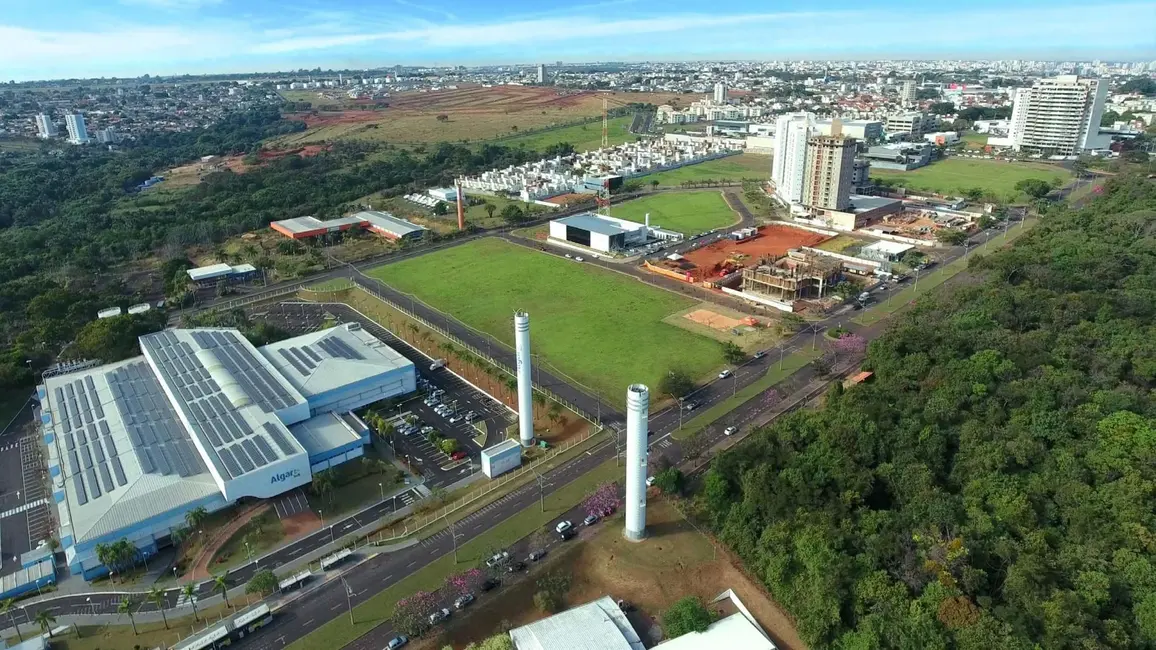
[
  {"x": 437, "y": 468},
  {"x": 25, "y": 517}
]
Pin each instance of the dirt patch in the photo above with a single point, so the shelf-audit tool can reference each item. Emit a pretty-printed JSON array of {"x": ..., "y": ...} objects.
[
  {"x": 772, "y": 242},
  {"x": 220, "y": 537},
  {"x": 715, "y": 320},
  {"x": 300, "y": 524}
]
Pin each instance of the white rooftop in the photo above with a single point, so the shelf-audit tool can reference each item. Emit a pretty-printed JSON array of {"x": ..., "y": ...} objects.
[
  {"x": 890, "y": 247},
  {"x": 326, "y": 432},
  {"x": 322, "y": 361},
  {"x": 598, "y": 625},
  {"x": 734, "y": 632}
]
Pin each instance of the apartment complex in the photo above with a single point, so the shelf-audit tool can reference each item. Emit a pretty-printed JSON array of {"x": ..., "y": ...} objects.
[
  {"x": 907, "y": 94},
  {"x": 541, "y": 73},
  {"x": 720, "y": 93},
  {"x": 789, "y": 162},
  {"x": 830, "y": 163},
  {"x": 77, "y": 133},
  {"x": 913, "y": 122},
  {"x": 45, "y": 129},
  {"x": 1058, "y": 116}
]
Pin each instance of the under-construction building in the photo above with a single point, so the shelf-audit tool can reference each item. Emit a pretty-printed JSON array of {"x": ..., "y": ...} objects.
[{"x": 796, "y": 276}]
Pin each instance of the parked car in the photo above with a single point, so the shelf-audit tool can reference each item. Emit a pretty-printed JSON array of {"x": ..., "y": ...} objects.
[
  {"x": 439, "y": 615},
  {"x": 649, "y": 481},
  {"x": 729, "y": 431},
  {"x": 458, "y": 455},
  {"x": 463, "y": 601},
  {"x": 397, "y": 642},
  {"x": 536, "y": 555},
  {"x": 563, "y": 526},
  {"x": 490, "y": 583},
  {"x": 498, "y": 559},
  {"x": 566, "y": 534},
  {"x": 590, "y": 520},
  {"x": 456, "y": 417},
  {"x": 516, "y": 567},
  {"x": 724, "y": 374},
  {"x": 760, "y": 354}
]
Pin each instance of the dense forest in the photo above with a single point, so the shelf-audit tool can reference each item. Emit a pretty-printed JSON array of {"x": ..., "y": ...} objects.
[
  {"x": 993, "y": 488},
  {"x": 67, "y": 219}
]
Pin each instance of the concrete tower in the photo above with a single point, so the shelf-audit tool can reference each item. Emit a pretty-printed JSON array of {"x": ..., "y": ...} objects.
[
  {"x": 525, "y": 381},
  {"x": 637, "y": 414}
]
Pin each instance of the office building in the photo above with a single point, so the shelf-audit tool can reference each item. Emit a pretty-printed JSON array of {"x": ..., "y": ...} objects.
[
  {"x": 45, "y": 129},
  {"x": 541, "y": 73},
  {"x": 77, "y": 134},
  {"x": 1058, "y": 116},
  {"x": 830, "y": 163},
  {"x": 788, "y": 164},
  {"x": 720, "y": 93},
  {"x": 907, "y": 94},
  {"x": 913, "y": 122},
  {"x": 865, "y": 130}
]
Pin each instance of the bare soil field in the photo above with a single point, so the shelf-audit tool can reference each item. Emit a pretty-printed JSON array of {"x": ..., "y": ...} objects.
[{"x": 772, "y": 242}]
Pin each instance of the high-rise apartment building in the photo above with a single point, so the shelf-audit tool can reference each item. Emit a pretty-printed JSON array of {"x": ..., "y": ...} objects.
[
  {"x": 720, "y": 93},
  {"x": 789, "y": 163},
  {"x": 830, "y": 166},
  {"x": 45, "y": 129},
  {"x": 907, "y": 92},
  {"x": 541, "y": 73},
  {"x": 1058, "y": 116},
  {"x": 77, "y": 134}
]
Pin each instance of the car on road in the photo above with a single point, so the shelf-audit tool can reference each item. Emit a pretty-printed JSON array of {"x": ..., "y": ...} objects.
[
  {"x": 566, "y": 534},
  {"x": 437, "y": 364},
  {"x": 590, "y": 520},
  {"x": 567, "y": 255},
  {"x": 760, "y": 354},
  {"x": 690, "y": 406},
  {"x": 458, "y": 455},
  {"x": 563, "y": 526},
  {"x": 498, "y": 559},
  {"x": 439, "y": 615},
  {"x": 579, "y": 259},
  {"x": 534, "y": 556},
  {"x": 649, "y": 481},
  {"x": 516, "y": 567},
  {"x": 463, "y": 601},
  {"x": 724, "y": 374},
  {"x": 397, "y": 642},
  {"x": 729, "y": 431},
  {"x": 490, "y": 583}
]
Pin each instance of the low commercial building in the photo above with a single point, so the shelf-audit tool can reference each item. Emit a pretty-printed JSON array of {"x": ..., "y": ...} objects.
[
  {"x": 448, "y": 194},
  {"x": 864, "y": 211},
  {"x": 942, "y": 138},
  {"x": 885, "y": 251},
  {"x": 214, "y": 273},
  {"x": 903, "y": 156},
  {"x": 203, "y": 418},
  {"x": 381, "y": 223},
  {"x": 501, "y": 458},
  {"x": 607, "y": 234}
]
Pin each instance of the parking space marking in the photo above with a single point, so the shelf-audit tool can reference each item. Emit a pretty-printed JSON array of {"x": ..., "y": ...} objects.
[{"x": 19, "y": 509}]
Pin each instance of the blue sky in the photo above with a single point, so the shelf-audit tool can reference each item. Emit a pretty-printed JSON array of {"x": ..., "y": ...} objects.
[{"x": 82, "y": 38}]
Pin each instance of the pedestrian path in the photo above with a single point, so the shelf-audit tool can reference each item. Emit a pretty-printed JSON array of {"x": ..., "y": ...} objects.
[{"x": 19, "y": 509}]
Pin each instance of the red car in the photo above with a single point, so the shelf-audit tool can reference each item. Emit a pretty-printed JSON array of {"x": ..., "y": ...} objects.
[{"x": 458, "y": 455}]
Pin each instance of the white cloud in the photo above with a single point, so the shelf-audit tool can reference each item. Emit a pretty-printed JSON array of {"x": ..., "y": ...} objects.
[
  {"x": 428, "y": 8},
  {"x": 173, "y": 5}
]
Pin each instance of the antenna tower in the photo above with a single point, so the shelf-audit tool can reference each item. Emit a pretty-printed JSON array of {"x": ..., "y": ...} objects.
[{"x": 605, "y": 126}]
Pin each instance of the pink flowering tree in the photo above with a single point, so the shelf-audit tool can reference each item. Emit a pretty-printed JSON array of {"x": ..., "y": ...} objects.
[
  {"x": 466, "y": 582},
  {"x": 771, "y": 398},
  {"x": 603, "y": 499},
  {"x": 411, "y": 615},
  {"x": 850, "y": 343}
]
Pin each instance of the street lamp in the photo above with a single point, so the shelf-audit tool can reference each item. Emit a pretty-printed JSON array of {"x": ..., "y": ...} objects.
[{"x": 381, "y": 486}]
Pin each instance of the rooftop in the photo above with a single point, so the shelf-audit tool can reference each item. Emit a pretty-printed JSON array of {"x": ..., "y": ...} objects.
[
  {"x": 734, "y": 632},
  {"x": 890, "y": 247},
  {"x": 307, "y": 224},
  {"x": 598, "y": 625},
  {"x": 505, "y": 445},
  {"x": 860, "y": 203},
  {"x": 324, "y": 433},
  {"x": 596, "y": 223},
  {"x": 328, "y": 359},
  {"x": 388, "y": 222}
]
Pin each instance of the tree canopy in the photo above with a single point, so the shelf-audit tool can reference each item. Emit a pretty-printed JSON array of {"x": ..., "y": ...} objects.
[
  {"x": 992, "y": 488},
  {"x": 686, "y": 615}
]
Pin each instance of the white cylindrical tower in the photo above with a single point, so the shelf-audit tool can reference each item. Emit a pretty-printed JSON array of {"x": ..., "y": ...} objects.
[
  {"x": 525, "y": 379},
  {"x": 637, "y": 413}
]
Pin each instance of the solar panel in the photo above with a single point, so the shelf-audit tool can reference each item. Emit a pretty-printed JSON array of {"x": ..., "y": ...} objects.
[
  {"x": 253, "y": 452},
  {"x": 230, "y": 462},
  {"x": 73, "y": 464},
  {"x": 135, "y": 436},
  {"x": 80, "y": 439},
  {"x": 69, "y": 443},
  {"x": 78, "y": 490},
  {"x": 349, "y": 351},
  {"x": 280, "y": 439},
  {"x": 192, "y": 460},
  {"x": 104, "y": 429},
  {"x": 107, "y": 477},
  {"x": 93, "y": 486},
  {"x": 306, "y": 360},
  {"x": 311, "y": 352},
  {"x": 235, "y": 426},
  {"x": 293, "y": 361},
  {"x": 97, "y": 407},
  {"x": 88, "y": 382},
  {"x": 118, "y": 470},
  {"x": 176, "y": 462},
  {"x": 110, "y": 446},
  {"x": 97, "y": 451},
  {"x": 86, "y": 457},
  {"x": 242, "y": 458},
  {"x": 263, "y": 445},
  {"x": 198, "y": 414},
  {"x": 211, "y": 433},
  {"x": 145, "y": 459},
  {"x": 162, "y": 461}
]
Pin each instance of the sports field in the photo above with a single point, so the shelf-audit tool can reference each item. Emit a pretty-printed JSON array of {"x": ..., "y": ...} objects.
[
  {"x": 686, "y": 212},
  {"x": 584, "y": 137},
  {"x": 953, "y": 175},
  {"x": 599, "y": 327},
  {"x": 731, "y": 168}
]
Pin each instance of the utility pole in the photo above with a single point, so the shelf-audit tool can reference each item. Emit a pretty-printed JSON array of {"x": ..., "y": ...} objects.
[
  {"x": 541, "y": 492},
  {"x": 782, "y": 351},
  {"x": 348, "y": 598}
]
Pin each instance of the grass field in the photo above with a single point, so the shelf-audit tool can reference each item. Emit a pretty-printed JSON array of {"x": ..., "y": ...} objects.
[
  {"x": 686, "y": 212},
  {"x": 952, "y": 175},
  {"x": 584, "y": 137},
  {"x": 974, "y": 140},
  {"x": 731, "y": 168},
  {"x": 601, "y": 328}
]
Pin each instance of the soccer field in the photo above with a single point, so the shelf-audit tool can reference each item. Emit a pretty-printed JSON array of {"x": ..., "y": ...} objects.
[
  {"x": 599, "y": 327},
  {"x": 953, "y": 175},
  {"x": 685, "y": 212},
  {"x": 731, "y": 168}
]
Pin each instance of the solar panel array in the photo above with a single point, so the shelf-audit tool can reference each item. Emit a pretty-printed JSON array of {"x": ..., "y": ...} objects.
[
  {"x": 305, "y": 358},
  {"x": 90, "y": 454},
  {"x": 239, "y": 448}
]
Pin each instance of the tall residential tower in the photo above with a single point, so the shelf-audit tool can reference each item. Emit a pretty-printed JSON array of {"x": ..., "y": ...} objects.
[
  {"x": 1058, "y": 116},
  {"x": 789, "y": 164},
  {"x": 77, "y": 133},
  {"x": 45, "y": 129}
]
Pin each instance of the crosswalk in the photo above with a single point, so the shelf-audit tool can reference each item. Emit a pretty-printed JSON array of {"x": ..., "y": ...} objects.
[
  {"x": 10, "y": 446},
  {"x": 183, "y": 600},
  {"x": 19, "y": 509}
]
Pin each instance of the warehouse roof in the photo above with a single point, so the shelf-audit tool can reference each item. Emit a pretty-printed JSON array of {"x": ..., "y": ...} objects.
[
  {"x": 734, "y": 632},
  {"x": 326, "y": 432},
  {"x": 890, "y": 247},
  {"x": 860, "y": 203},
  {"x": 306, "y": 224},
  {"x": 322, "y": 361},
  {"x": 211, "y": 271},
  {"x": 501, "y": 447},
  {"x": 389, "y": 223},
  {"x": 598, "y": 625},
  {"x": 594, "y": 223}
]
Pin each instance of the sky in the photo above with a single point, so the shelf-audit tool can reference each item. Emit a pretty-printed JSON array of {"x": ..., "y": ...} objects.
[{"x": 86, "y": 38}]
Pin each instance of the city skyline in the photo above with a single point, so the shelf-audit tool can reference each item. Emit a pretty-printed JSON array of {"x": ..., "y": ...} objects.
[{"x": 135, "y": 37}]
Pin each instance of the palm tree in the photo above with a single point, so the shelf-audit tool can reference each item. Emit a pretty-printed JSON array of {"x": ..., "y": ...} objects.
[
  {"x": 413, "y": 329},
  {"x": 45, "y": 620},
  {"x": 323, "y": 483},
  {"x": 6, "y": 608},
  {"x": 195, "y": 517},
  {"x": 189, "y": 591},
  {"x": 221, "y": 584},
  {"x": 124, "y": 607},
  {"x": 539, "y": 400},
  {"x": 104, "y": 554},
  {"x": 157, "y": 597}
]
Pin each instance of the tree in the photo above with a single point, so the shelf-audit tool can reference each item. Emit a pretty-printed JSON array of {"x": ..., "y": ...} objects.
[
  {"x": 552, "y": 588},
  {"x": 323, "y": 484},
  {"x": 157, "y": 597},
  {"x": 125, "y": 608},
  {"x": 732, "y": 353},
  {"x": 513, "y": 214},
  {"x": 6, "y": 608},
  {"x": 221, "y": 586},
  {"x": 941, "y": 108},
  {"x": 602, "y": 500},
  {"x": 849, "y": 344},
  {"x": 686, "y": 615},
  {"x": 263, "y": 582},
  {"x": 789, "y": 323},
  {"x": 676, "y": 383},
  {"x": 196, "y": 517},
  {"x": 496, "y": 642},
  {"x": 547, "y": 602},
  {"x": 45, "y": 620},
  {"x": 1034, "y": 187},
  {"x": 410, "y": 614},
  {"x": 654, "y": 183},
  {"x": 951, "y": 236},
  {"x": 669, "y": 480},
  {"x": 466, "y": 582},
  {"x": 554, "y": 412},
  {"x": 490, "y": 209},
  {"x": 189, "y": 591}
]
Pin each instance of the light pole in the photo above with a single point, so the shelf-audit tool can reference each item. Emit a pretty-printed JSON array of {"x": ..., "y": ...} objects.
[
  {"x": 782, "y": 351},
  {"x": 381, "y": 486},
  {"x": 680, "y": 412},
  {"x": 541, "y": 491},
  {"x": 348, "y": 598}
]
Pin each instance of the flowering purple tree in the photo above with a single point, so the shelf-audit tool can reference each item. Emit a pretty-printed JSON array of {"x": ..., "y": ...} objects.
[
  {"x": 468, "y": 581},
  {"x": 603, "y": 499},
  {"x": 771, "y": 398},
  {"x": 411, "y": 615},
  {"x": 850, "y": 343}
]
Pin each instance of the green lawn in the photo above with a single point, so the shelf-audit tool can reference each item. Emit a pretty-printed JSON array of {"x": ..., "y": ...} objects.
[
  {"x": 686, "y": 212},
  {"x": 599, "y": 327},
  {"x": 584, "y": 137},
  {"x": 731, "y": 168},
  {"x": 952, "y": 175}
]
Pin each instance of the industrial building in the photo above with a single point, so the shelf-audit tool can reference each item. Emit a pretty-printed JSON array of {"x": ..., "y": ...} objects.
[
  {"x": 203, "y": 276},
  {"x": 861, "y": 212},
  {"x": 1058, "y": 116},
  {"x": 607, "y": 234},
  {"x": 380, "y": 223},
  {"x": 903, "y": 156},
  {"x": 201, "y": 419}
]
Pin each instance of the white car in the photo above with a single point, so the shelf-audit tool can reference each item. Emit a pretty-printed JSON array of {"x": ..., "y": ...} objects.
[
  {"x": 724, "y": 374},
  {"x": 649, "y": 481},
  {"x": 563, "y": 526},
  {"x": 729, "y": 431},
  {"x": 579, "y": 259}
]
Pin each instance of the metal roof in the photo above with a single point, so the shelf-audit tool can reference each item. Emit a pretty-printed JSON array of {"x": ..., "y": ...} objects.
[
  {"x": 329, "y": 359},
  {"x": 860, "y": 203},
  {"x": 593, "y": 223},
  {"x": 734, "y": 632},
  {"x": 307, "y": 224},
  {"x": 324, "y": 433},
  {"x": 210, "y": 271},
  {"x": 598, "y": 625},
  {"x": 501, "y": 448},
  {"x": 890, "y": 247},
  {"x": 389, "y": 223}
]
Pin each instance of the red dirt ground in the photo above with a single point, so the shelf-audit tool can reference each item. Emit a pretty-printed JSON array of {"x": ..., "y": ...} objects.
[
  {"x": 300, "y": 524},
  {"x": 329, "y": 118},
  {"x": 772, "y": 242},
  {"x": 237, "y": 163}
]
